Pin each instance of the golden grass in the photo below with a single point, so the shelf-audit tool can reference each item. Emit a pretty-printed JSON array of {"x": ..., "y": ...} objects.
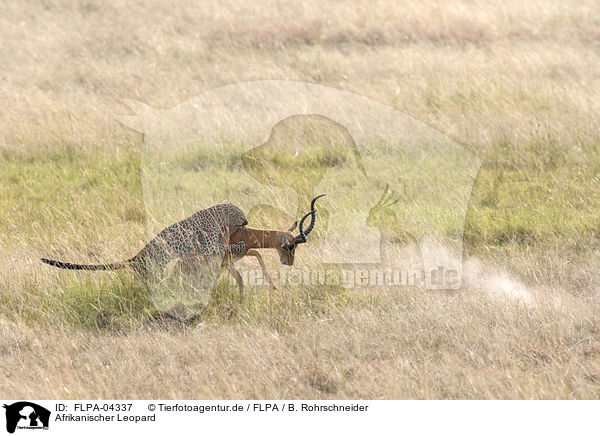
[
  {"x": 518, "y": 83},
  {"x": 385, "y": 346}
]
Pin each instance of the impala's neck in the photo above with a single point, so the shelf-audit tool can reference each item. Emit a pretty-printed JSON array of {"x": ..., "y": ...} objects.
[{"x": 258, "y": 238}]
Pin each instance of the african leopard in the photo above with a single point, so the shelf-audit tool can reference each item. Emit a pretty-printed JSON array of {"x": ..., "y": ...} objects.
[
  {"x": 220, "y": 230},
  {"x": 205, "y": 233}
]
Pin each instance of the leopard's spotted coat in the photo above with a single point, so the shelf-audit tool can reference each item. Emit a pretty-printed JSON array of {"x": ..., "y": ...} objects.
[{"x": 205, "y": 233}]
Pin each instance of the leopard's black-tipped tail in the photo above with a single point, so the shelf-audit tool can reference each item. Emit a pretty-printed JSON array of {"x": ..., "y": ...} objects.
[{"x": 104, "y": 267}]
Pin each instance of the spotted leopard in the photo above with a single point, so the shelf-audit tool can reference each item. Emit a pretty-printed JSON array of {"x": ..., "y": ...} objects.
[{"x": 205, "y": 233}]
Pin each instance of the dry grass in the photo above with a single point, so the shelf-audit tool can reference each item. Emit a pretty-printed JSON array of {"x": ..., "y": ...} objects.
[
  {"x": 378, "y": 346},
  {"x": 519, "y": 83}
]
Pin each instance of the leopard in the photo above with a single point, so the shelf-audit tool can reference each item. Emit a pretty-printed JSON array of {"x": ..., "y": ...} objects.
[{"x": 205, "y": 233}]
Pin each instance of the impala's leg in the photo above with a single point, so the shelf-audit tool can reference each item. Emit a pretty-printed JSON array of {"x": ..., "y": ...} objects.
[
  {"x": 238, "y": 278},
  {"x": 259, "y": 257}
]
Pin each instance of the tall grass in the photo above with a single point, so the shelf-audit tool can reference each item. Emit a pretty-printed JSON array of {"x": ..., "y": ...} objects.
[{"x": 517, "y": 83}]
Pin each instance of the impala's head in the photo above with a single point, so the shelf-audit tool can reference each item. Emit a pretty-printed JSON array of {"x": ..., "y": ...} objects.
[{"x": 289, "y": 242}]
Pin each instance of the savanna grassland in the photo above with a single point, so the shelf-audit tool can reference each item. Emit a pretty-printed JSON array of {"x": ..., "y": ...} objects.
[{"x": 517, "y": 83}]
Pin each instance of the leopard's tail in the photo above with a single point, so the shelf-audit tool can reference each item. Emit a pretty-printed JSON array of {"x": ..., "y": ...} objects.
[{"x": 102, "y": 267}]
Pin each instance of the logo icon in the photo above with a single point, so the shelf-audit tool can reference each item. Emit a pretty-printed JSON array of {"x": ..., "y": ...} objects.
[
  {"x": 26, "y": 415},
  {"x": 397, "y": 189}
]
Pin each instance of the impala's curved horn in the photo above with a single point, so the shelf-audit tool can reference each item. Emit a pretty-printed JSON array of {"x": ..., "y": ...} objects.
[{"x": 304, "y": 233}]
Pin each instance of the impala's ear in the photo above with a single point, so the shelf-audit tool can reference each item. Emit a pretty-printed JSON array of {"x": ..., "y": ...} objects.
[
  {"x": 283, "y": 241},
  {"x": 291, "y": 229}
]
